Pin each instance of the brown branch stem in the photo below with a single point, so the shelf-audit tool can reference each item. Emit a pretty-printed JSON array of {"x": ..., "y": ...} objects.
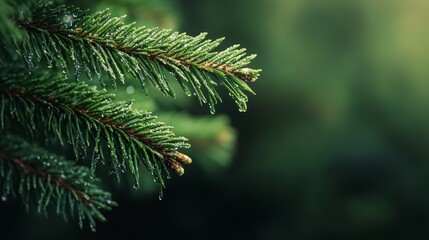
[
  {"x": 38, "y": 171},
  {"x": 92, "y": 38},
  {"x": 103, "y": 119}
]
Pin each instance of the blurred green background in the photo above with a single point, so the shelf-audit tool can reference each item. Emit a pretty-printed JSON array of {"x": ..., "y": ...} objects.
[{"x": 335, "y": 145}]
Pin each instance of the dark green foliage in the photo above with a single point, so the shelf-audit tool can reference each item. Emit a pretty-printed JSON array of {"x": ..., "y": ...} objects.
[
  {"x": 83, "y": 116},
  {"x": 49, "y": 181},
  {"x": 40, "y": 103},
  {"x": 97, "y": 42}
]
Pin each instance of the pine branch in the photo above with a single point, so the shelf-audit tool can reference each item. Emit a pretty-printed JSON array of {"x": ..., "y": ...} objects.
[
  {"x": 99, "y": 43},
  {"x": 84, "y": 115},
  {"x": 49, "y": 180}
]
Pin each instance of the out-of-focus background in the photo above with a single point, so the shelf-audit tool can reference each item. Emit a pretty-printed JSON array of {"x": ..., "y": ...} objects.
[{"x": 335, "y": 145}]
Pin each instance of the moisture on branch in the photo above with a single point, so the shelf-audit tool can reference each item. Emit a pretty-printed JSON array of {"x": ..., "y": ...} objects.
[
  {"x": 97, "y": 42},
  {"x": 43, "y": 106},
  {"x": 36, "y": 175},
  {"x": 84, "y": 116}
]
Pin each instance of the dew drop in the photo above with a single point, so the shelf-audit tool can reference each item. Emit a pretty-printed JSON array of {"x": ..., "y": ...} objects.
[
  {"x": 68, "y": 19},
  {"x": 130, "y": 89},
  {"x": 92, "y": 228}
]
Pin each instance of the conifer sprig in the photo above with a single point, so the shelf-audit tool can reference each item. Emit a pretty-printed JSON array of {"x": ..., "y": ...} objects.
[
  {"x": 84, "y": 115},
  {"x": 96, "y": 43},
  {"x": 38, "y": 176},
  {"x": 43, "y": 106}
]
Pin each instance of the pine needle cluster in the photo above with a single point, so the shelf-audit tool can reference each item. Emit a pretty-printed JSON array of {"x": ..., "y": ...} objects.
[{"x": 49, "y": 55}]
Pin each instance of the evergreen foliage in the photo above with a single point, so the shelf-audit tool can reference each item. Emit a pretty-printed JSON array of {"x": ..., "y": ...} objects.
[
  {"x": 98, "y": 42},
  {"x": 45, "y": 179},
  {"x": 43, "y": 46},
  {"x": 81, "y": 114}
]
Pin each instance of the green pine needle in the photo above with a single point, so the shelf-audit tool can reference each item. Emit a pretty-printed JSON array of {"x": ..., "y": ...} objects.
[
  {"x": 84, "y": 116},
  {"x": 43, "y": 106},
  {"x": 97, "y": 43},
  {"x": 46, "y": 180}
]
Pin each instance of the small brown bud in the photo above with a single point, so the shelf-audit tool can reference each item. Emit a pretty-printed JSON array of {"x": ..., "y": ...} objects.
[
  {"x": 245, "y": 74},
  {"x": 245, "y": 70},
  {"x": 175, "y": 166},
  {"x": 183, "y": 158}
]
